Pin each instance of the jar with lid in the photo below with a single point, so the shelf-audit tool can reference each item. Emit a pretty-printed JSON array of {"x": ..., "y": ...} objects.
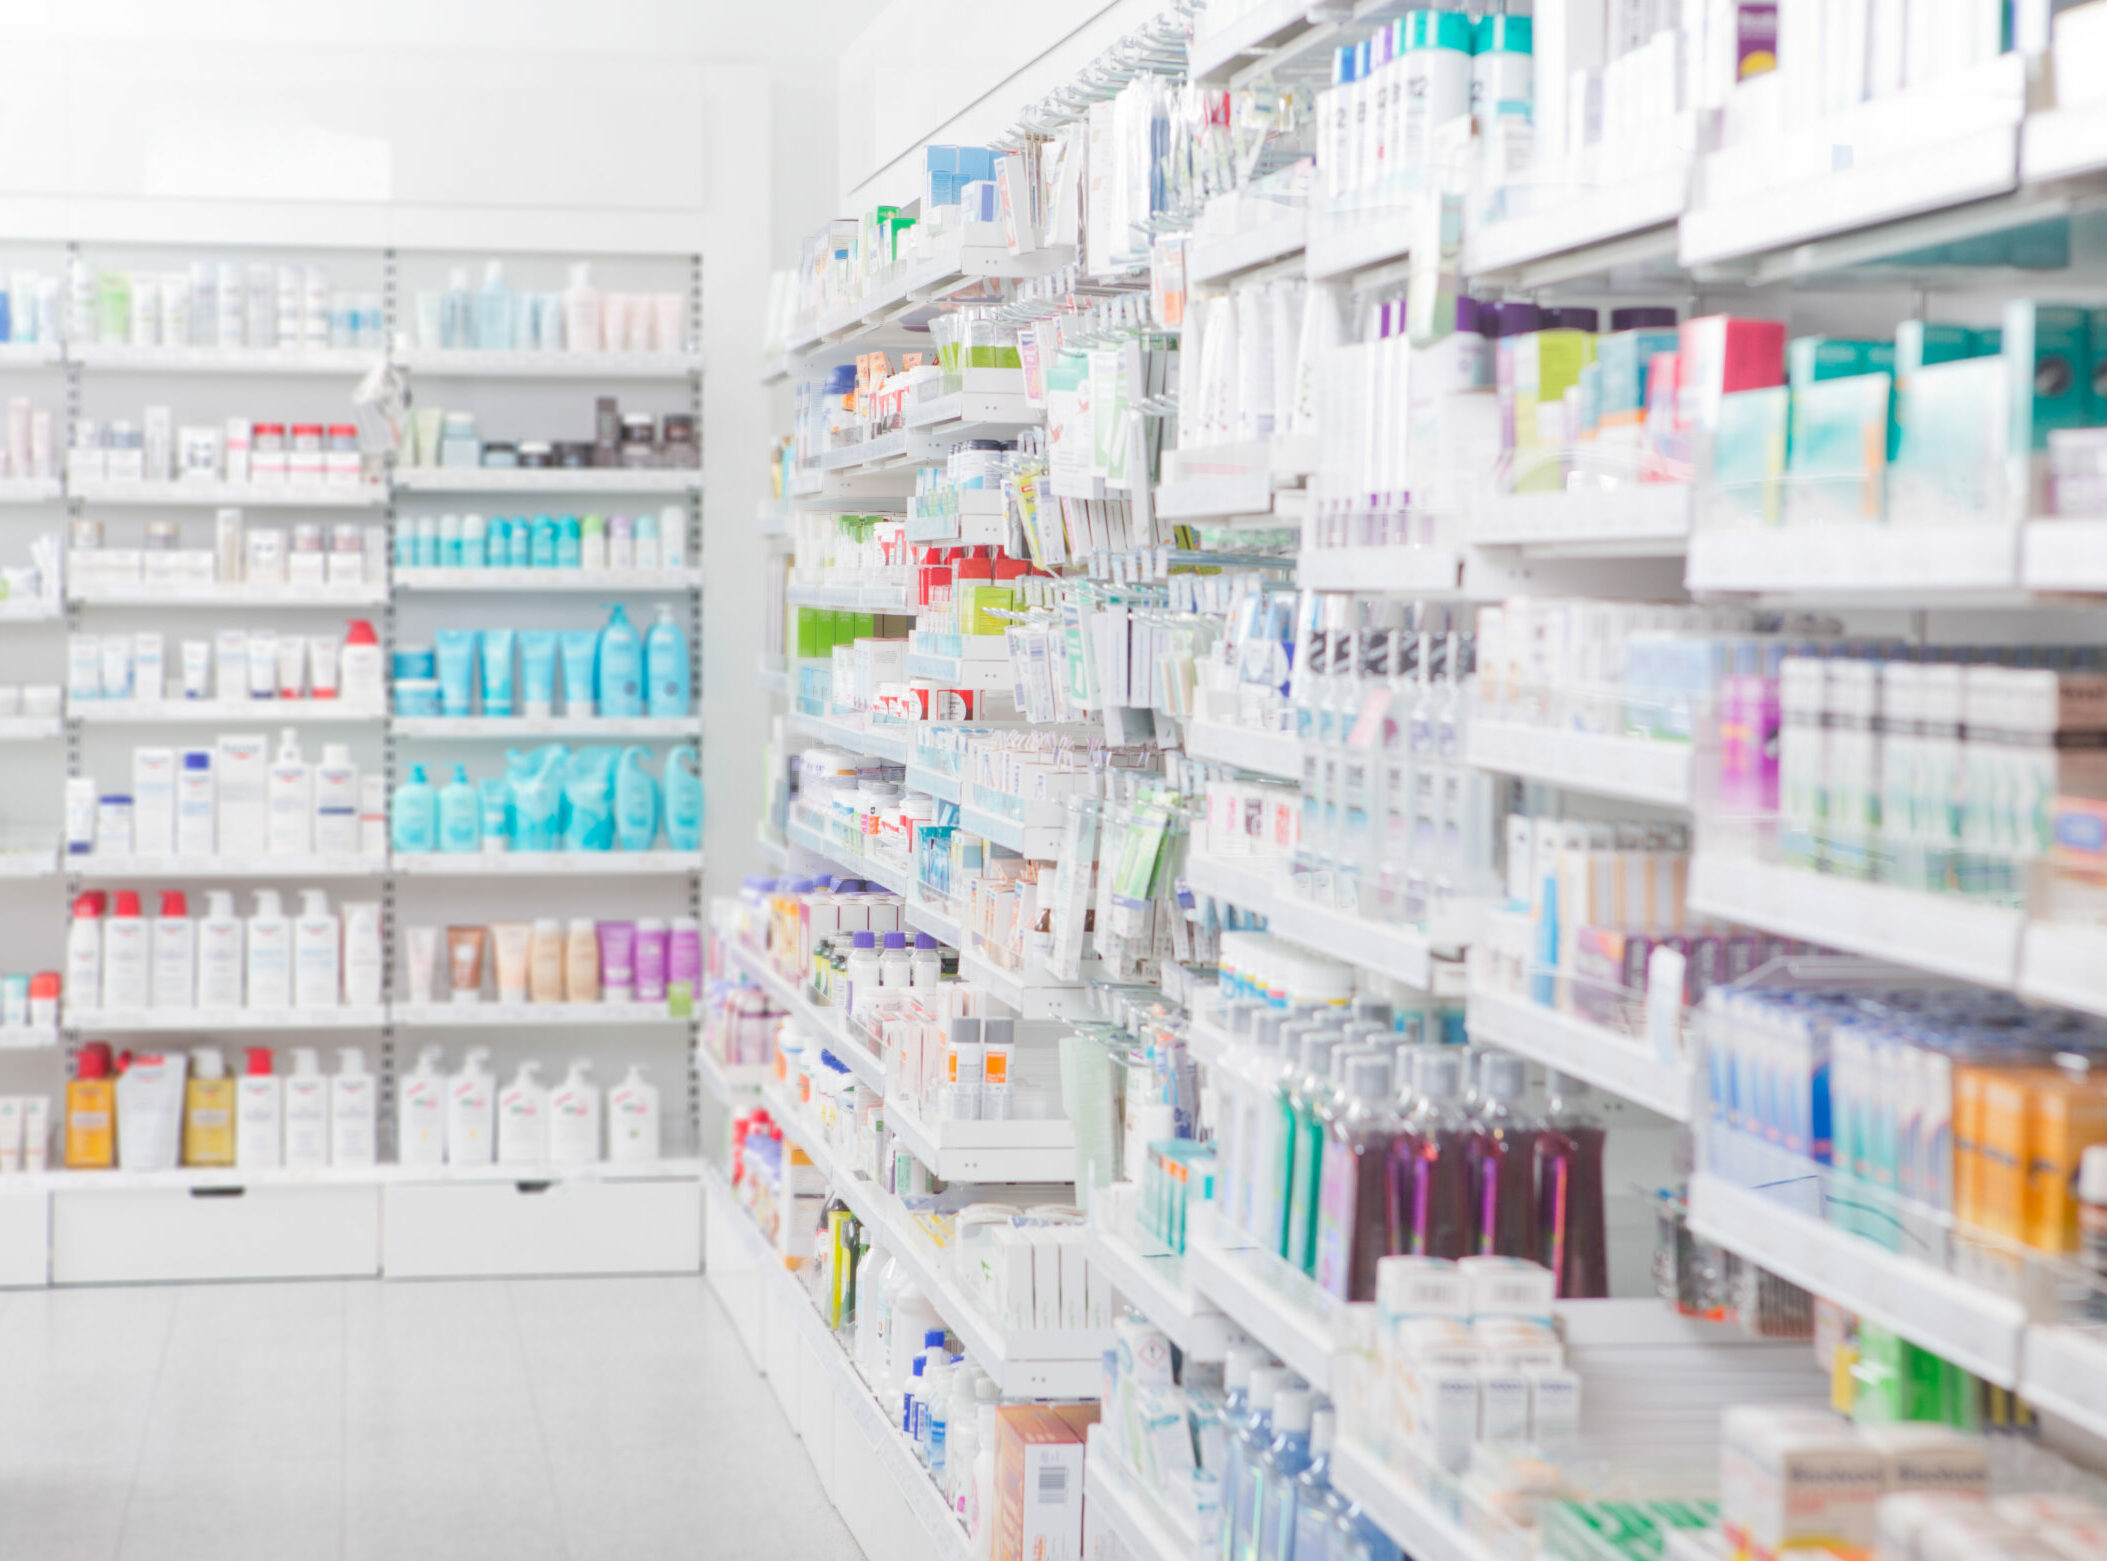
[
  {"x": 574, "y": 454},
  {"x": 307, "y": 536},
  {"x": 164, "y": 536},
  {"x": 536, "y": 454},
  {"x": 639, "y": 439},
  {"x": 501, "y": 452}
]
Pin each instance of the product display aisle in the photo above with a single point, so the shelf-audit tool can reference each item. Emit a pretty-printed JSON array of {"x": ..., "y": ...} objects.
[
  {"x": 1434, "y": 845},
  {"x": 301, "y": 541}
]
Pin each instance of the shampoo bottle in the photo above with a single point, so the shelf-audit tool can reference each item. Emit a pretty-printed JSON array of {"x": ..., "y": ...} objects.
[
  {"x": 317, "y": 953},
  {"x": 666, "y": 664},
  {"x": 175, "y": 956},
  {"x": 621, "y": 671},
  {"x": 632, "y": 1119},
  {"x": 270, "y": 949},
  {"x": 422, "y": 1112},
  {"x": 362, "y": 954},
  {"x": 258, "y": 1112},
  {"x": 581, "y": 312},
  {"x": 84, "y": 950},
  {"x": 683, "y": 800},
  {"x": 353, "y": 1111},
  {"x": 208, "y": 1110},
  {"x": 336, "y": 803},
  {"x": 636, "y": 801},
  {"x": 416, "y": 814},
  {"x": 306, "y": 1112},
  {"x": 150, "y": 1111},
  {"x": 470, "y": 1106},
  {"x": 126, "y": 954},
  {"x": 220, "y": 954},
  {"x": 574, "y": 1118},
  {"x": 460, "y": 814},
  {"x": 523, "y": 1118},
  {"x": 91, "y": 1111},
  {"x": 291, "y": 800}
]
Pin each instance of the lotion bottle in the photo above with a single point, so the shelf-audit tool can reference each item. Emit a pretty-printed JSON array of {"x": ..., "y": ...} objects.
[
  {"x": 460, "y": 814},
  {"x": 270, "y": 948},
  {"x": 291, "y": 800},
  {"x": 220, "y": 962},
  {"x": 91, "y": 1111},
  {"x": 352, "y": 1111},
  {"x": 574, "y": 1118},
  {"x": 317, "y": 953},
  {"x": 175, "y": 955},
  {"x": 471, "y": 1103},
  {"x": 523, "y": 1118},
  {"x": 581, "y": 962},
  {"x": 336, "y": 792},
  {"x": 208, "y": 1110},
  {"x": 581, "y": 311},
  {"x": 306, "y": 1112},
  {"x": 84, "y": 951},
  {"x": 362, "y": 954},
  {"x": 126, "y": 946},
  {"x": 632, "y": 1119},
  {"x": 258, "y": 1114},
  {"x": 423, "y": 1108}
]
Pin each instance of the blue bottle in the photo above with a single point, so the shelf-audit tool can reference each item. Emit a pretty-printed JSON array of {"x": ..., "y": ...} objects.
[
  {"x": 460, "y": 815},
  {"x": 666, "y": 665},
  {"x": 519, "y": 543},
  {"x": 684, "y": 800},
  {"x": 621, "y": 667},
  {"x": 414, "y": 815},
  {"x": 636, "y": 801},
  {"x": 544, "y": 548},
  {"x": 1316, "y": 1504},
  {"x": 1246, "y": 1495},
  {"x": 1273, "y": 1515},
  {"x": 567, "y": 542},
  {"x": 1237, "y": 1366}
]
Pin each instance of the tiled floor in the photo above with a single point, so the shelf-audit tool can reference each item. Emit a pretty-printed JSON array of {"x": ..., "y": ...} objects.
[{"x": 513, "y": 1421}]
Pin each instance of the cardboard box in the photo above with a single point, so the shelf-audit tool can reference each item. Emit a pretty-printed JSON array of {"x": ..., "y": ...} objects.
[{"x": 1038, "y": 1485}]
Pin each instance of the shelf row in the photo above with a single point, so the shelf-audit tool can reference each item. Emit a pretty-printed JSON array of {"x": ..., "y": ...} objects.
[
  {"x": 377, "y": 1016},
  {"x": 48, "y": 862},
  {"x": 350, "y": 361},
  {"x": 196, "y": 492},
  {"x": 334, "y": 712}
]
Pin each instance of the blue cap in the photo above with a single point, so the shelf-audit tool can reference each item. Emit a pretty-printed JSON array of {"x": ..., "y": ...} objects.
[
  {"x": 923, "y": 940},
  {"x": 841, "y": 379},
  {"x": 896, "y": 940},
  {"x": 863, "y": 940},
  {"x": 1342, "y": 65}
]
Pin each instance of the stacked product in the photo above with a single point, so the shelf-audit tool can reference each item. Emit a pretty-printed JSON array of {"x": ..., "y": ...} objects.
[
  {"x": 645, "y": 960},
  {"x": 440, "y": 436},
  {"x": 238, "y": 450},
  {"x": 29, "y": 451},
  {"x": 221, "y": 304},
  {"x": 611, "y": 671},
  {"x": 581, "y": 318},
  {"x": 466, "y": 1118},
  {"x": 309, "y": 554},
  {"x": 237, "y": 667},
  {"x": 29, "y": 307},
  {"x": 450, "y": 541}
]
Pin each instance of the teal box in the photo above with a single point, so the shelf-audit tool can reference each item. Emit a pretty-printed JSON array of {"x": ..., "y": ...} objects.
[
  {"x": 1748, "y": 457},
  {"x": 1837, "y": 453},
  {"x": 1588, "y": 394},
  {"x": 2048, "y": 350},
  {"x": 1812, "y": 358},
  {"x": 1954, "y": 464},
  {"x": 1624, "y": 357},
  {"x": 1918, "y": 342}
]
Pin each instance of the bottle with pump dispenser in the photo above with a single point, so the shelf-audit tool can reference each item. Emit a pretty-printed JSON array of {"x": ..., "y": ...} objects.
[
  {"x": 636, "y": 801},
  {"x": 683, "y": 800},
  {"x": 353, "y": 1111},
  {"x": 423, "y": 1112},
  {"x": 221, "y": 958},
  {"x": 414, "y": 814},
  {"x": 307, "y": 1127},
  {"x": 666, "y": 665},
  {"x": 523, "y": 1118},
  {"x": 574, "y": 1118},
  {"x": 621, "y": 670},
  {"x": 471, "y": 1111},
  {"x": 208, "y": 1110},
  {"x": 91, "y": 1111},
  {"x": 336, "y": 793},
  {"x": 259, "y": 1113},
  {"x": 633, "y": 1119},
  {"x": 362, "y": 954},
  {"x": 84, "y": 950},
  {"x": 318, "y": 939},
  {"x": 290, "y": 799},
  {"x": 460, "y": 814},
  {"x": 127, "y": 964},
  {"x": 270, "y": 954},
  {"x": 175, "y": 956}
]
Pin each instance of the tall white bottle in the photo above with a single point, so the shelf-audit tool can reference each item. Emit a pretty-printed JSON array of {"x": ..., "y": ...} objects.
[
  {"x": 581, "y": 311},
  {"x": 362, "y": 954},
  {"x": 126, "y": 954},
  {"x": 471, "y": 1111},
  {"x": 336, "y": 802},
  {"x": 258, "y": 1114},
  {"x": 422, "y": 1107},
  {"x": 290, "y": 798},
  {"x": 632, "y": 1119},
  {"x": 317, "y": 953},
  {"x": 270, "y": 953},
  {"x": 523, "y": 1118},
  {"x": 175, "y": 955},
  {"x": 84, "y": 951},
  {"x": 574, "y": 1118},
  {"x": 306, "y": 1112},
  {"x": 353, "y": 1111},
  {"x": 221, "y": 959}
]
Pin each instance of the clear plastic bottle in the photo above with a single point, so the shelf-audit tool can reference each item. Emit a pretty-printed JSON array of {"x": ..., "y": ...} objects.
[
  {"x": 1353, "y": 1215},
  {"x": 1429, "y": 1173},
  {"x": 1422, "y": 741},
  {"x": 1572, "y": 1242},
  {"x": 1254, "y": 1435},
  {"x": 1502, "y": 1155},
  {"x": 1238, "y": 1366},
  {"x": 1310, "y": 1092},
  {"x": 862, "y": 974},
  {"x": 1393, "y": 831},
  {"x": 1316, "y": 1504},
  {"x": 1285, "y": 1459},
  {"x": 894, "y": 966},
  {"x": 925, "y": 967}
]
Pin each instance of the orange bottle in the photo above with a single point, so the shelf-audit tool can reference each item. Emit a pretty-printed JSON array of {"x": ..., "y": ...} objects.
[{"x": 91, "y": 1111}]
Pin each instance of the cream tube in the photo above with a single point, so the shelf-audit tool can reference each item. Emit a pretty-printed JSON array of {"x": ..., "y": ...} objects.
[
  {"x": 36, "y": 1133},
  {"x": 10, "y": 1133},
  {"x": 197, "y": 669},
  {"x": 292, "y": 666},
  {"x": 322, "y": 665},
  {"x": 464, "y": 962},
  {"x": 581, "y": 962},
  {"x": 424, "y": 962},
  {"x": 545, "y": 962},
  {"x": 514, "y": 940}
]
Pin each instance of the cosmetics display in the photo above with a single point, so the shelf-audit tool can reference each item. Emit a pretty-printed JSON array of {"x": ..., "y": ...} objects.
[
  {"x": 29, "y": 452},
  {"x": 451, "y": 437},
  {"x": 236, "y": 450},
  {"x": 33, "y": 305},
  {"x": 237, "y": 800},
  {"x": 612, "y": 671},
  {"x": 551, "y": 960},
  {"x": 115, "y": 556},
  {"x": 553, "y": 799},
  {"x": 495, "y": 317},
  {"x": 245, "y": 670},
  {"x": 471, "y": 541},
  {"x": 221, "y": 303}
]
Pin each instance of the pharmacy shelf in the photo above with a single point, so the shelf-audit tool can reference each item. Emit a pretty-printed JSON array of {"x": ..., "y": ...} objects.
[
  {"x": 776, "y": 369},
  {"x": 524, "y": 1016},
  {"x": 772, "y": 674},
  {"x": 29, "y": 728},
  {"x": 1422, "y": 571},
  {"x": 1640, "y": 769},
  {"x": 934, "y": 918},
  {"x": 20, "y": 862},
  {"x": 1607, "y": 1059},
  {"x": 2064, "y": 1370},
  {"x": 2063, "y": 143},
  {"x": 31, "y": 609},
  {"x": 1973, "y": 1327},
  {"x": 1012, "y": 1150},
  {"x": 731, "y": 1085},
  {"x": 28, "y": 1037},
  {"x": 224, "y": 360},
  {"x": 1945, "y": 934},
  {"x": 204, "y": 1021},
  {"x": 856, "y": 492},
  {"x": 962, "y": 412},
  {"x": 540, "y": 1174},
  {"x": 30, "y": 490},
  {"x": 895, "y": 878},
  {"x": 1637, "y": 519},
  {"x": 547, "y": 864},
  {"x": 1026, "y": 1362},
  {"x": 1421, "y": 1529},
  {"x": 1118, "y": 1499},
  {"x": 1275, "y": 1303},
  {"x": 515, "y": 582},
  {"x": 1208, "y": 1038},
  {"x": 1278, "y": 754},
  {"x": 874, "y": 451},
  {"x": 1215, "y": 496},
  {"x": 1883, "y": 565},
  {"x": 1402, "y": 953},
  {"x": 201, "y": 493},
  {"x": 29, "y": 354},
  {"x": 960, "y": 671},
  {"x": 1213, "y": 259},
  {"x": 1608, "y": 225},
  {"x": 2066, "y": 964},
  {"x": 863, "y": 598},
  {"x": 216, "y": 712},
  {"x": 1220, "y": 52},
  {"x": 1038, "y": 840},
  {"x": 95, "y": 868},
  {"x": 473, "y": 363},
  {"x": 821, "y": 1020},
  {"x": 1161, "y": 1289},
  {"x": 1029, "y": 994},
  {"x": 586, "y": 728},
  {"x": 2064, "y": 556},
  {"x": 1339, "y": 246},
  {"x": 213, "y": 593},
  {"x": 931, "y": 783},
  {"x": 854, "y": 736},
  {"x": 548, "y": 479}
]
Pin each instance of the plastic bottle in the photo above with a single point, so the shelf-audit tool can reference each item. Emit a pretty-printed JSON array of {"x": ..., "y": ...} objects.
[
  {"x": 574, "y": 1118},
  {"x": 1283, "y": 1461},
  {"x": 621, "y": 674},
  {"x": 127, "y": 963},
  {"x": 415, "y": 814},
  {"x": 318, "y": 953},
  {"x": 1237, "y": 1366},
  {"x": 1359, "y": 1129},
  {"x": 1304, "y": 1142},
  {"x": 581, "y": 311},
  {"x": 471, "y": 1111},
  {"x": 259, "y": 1135},
  {"x": 1502, "y": 1158},
  {"x": 1572, "y": 1240},
  {"x": 980, "y": 1503},
  {"x": 894, "y": 967},
  {"x": 1429, "y": 1171},
  {"x": 291, "y": 800},
  {"x": 457, "y": 317},
  {"x": 1315, "y": 1504},
  {"x": 306, "y": 1112},
  {"x": 175, "y": 955},
  {"x": 666, "y": 665},
  {"x": 683, "y": 800},
  {"x": 494, "y": 310},
  {"x": 523, "y": 1118},
  {"x": 2092, "y": 1222},
  {"x": 862, "y": 972},
  {"x": 360, "y": 680},
  {"x": 870, "y": 1306},
  {"x": 363, "y": 960},
  {"x": 208, "y": 1110},
  {"x": 636, "y": 801},
  {"x": 1255, "y": 1436},
  {"x": 423, "y": 1112},
  {"x": 91, "y": 1111},
  {"x": 633, "y": 1119},
  {"x": 336, "y": 803},
  {"x": 460, "y": 814},
  {"x": 353, "y": 1111},
  {"x": 222, "y": 961},
  {"x": 84, "y": 950},
  {"x": 581, "y": 962}
]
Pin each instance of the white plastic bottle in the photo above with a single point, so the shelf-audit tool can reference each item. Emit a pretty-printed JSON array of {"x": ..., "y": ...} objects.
[
  {"x": 362, "y": 954},
  {"x": 318, "y": 946},
  {"x": 894, "y": 967},
  {"x": 336, "y": 803},
  {"x": 353, "y": 1111},
  {"x": 270, "y": 953},
  {"x": 925, "y": 967},
  {"x": 523, "y": 1118},
  {"x": 862, "y": 971},
  {"x": 870, "y": 1305},
  {"x": 423, "y": 1112},
  {"x": 574, "y": 1118},
  {"x": 126, "y": 954},
  {"x": 632, "y": 1119},
  {"x": 175, "y": 955},
  {"x": 258, "y": 1114},
  {"x": 471, "y": 1106},
  {"x": 306, "y": 1112},
  {"x": 220, "y": 957},
  {"x": 581, "y": 311},
  {"x": 84, "y": 951},
  {"x": 290, "y": 797},
  {"x": 197, "y": 803},
  {"x": 980, "y": 1529}
]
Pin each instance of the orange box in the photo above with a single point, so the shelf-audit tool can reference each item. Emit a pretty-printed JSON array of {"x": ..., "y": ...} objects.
[
  {"x": 2065, "y": 1114},
  {"x": 2003, "y": 1149},
  {"x": 1038, "y": 1485}
]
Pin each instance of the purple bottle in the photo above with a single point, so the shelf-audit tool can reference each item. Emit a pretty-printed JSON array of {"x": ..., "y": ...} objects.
[
  {"x": 1353, "y": 1214},
  {"x": 1571, "y": 1240},
  {"x": 1502, "y": 1155},
  {"x": 1430, "y": 1214}
]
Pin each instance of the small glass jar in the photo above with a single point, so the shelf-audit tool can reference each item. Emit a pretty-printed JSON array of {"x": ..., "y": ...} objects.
[
  {"x": 267, "y": 439},
  {"x": 164, "y": 536},
  {"x": 536, "y": 454},
  {"x": 574, "y": 454},
  {"x": 501, "y": 453},
  {"x": 639, "y": 439},
  {"x": 307, "y": 438}
]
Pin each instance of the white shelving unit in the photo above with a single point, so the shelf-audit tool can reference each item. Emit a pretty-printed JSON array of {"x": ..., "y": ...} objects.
[
  {"x": 547, "y": 864},
  {"x": 1600, "y": 1056},
  {"x": 546, "y": 479},
  {"x": 598, "y": 582}
]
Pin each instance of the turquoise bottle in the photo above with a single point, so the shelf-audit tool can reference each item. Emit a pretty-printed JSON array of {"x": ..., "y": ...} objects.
[
  {"x": 414, "y": 816},
  {"x": 684, "y": 800},
  {"x": 666, "y": 665},
  {"x": 460, "y": 814},
  {"x": 621, "y": 667},
  {"x": 636, "y": 802}
]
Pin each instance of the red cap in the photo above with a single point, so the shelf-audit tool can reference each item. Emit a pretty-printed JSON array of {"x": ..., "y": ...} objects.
[
  {"x": 93, "y": 1062},
  {"x": 90, "y": 904},
  {"x": 173, "y": 903},
  {"x": 127, "y": 903},
  {"x": 45, "y": 983},
  {"x": 259, "y": 1063},
  {"x": 361, "y": 633}
]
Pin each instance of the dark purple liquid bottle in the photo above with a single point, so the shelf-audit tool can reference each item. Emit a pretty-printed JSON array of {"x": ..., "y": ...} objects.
[
  {"x": 1571, "y": 1239},
  {"x": 1430, "y": 1213},
  {"x": 1502, "y": 1157},
  {"x": 1353, "y": 1214}
]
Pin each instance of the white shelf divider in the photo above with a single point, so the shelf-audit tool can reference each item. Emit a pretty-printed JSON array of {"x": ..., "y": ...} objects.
[
  {"x": 241, "y": 593},
  {"x": 1274, "y": 1303},
  {"x": 547, "y": 479},
  {"x": 586, "y": 728},
  {"x": 217, "y": 712},
  {"x": 96, "y": 868},
  {"x": 1017, "y": 1150},
  {"x": 1403, "y": 1513},
  {"x": 1278, "y": 754},
  {"x": 1162, "y": 1290},
  {"x": 474, "y": 363},
  {"x": 1403, "y": 953},
  {"x": 202, "y": 1021},
  {"x": 199, "y": 492},
  {"x": 1616, "y": 1063},
  {"x": 1640, "y": 769},
  {"x": 600, "y": 582},
  {"x": 501, "y": 1016},
  {"x": 547, "y": 864}
]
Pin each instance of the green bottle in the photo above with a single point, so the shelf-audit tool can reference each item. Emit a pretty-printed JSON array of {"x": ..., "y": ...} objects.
[{"x": 1311, "y": 1087}]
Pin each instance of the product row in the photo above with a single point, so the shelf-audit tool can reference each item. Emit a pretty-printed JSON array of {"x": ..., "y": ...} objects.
[
  {"x": 222, "y": 303},
  {"x": 30, "y": 450},
  {"x": 236, "y": 450},
  {"x": 451, "y": 541},
  {"x": 118, "y": 556},
  {"x": 581, "y": 318},
  {"x": 554, "y": 799},
  {"x": 121, "y": 961},
  {"x": 233, "y": 800},
  {"x": 646, "y": 959},
  {"x": 611, "y": 671},
  {"x": 438, "y": 436},
  {"x": 29, "y": 1002},
  {"x": 260, "y": 668}
]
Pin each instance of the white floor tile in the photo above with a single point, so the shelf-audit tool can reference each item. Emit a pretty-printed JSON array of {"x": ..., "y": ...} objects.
[
  {"x": 72, "y": 1514},
  {"x": 235, "y": 1508}
]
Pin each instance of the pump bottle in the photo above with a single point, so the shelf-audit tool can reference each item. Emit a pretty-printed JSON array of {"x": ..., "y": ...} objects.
[
  {"x": 291, "y": 800},
  {"x": 471, "y": 1104},
  {"x": 317, "y": 953},
  {"x": 175, "y": 955},
  {"x": 574, "y": 1118},
  {"x": 270, "y": 939},
  {"x": 220, "y": 961},
  {"x": 91, "y": 1111},
  {"x": 633, "y": 1121},
  {"x": 126, "y": 943},
  {"x": 523, "y": 1118},
  {"x": 208, "y": 1110},
  {"x": 84, "y": 950},
  {"x": 352, "y": 1104},
  {"x": 258, "y": 1114},
  {"x": 306, "y": 1112},
  {"x": 423, "y": 1109}
]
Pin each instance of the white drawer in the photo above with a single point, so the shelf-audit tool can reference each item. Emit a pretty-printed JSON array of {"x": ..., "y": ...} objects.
[
  {"x": 126, "y": 1235},
  {"x": 581, "y": 1225}
]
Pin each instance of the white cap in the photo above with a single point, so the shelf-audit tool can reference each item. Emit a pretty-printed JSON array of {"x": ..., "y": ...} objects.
[
  {"x": 219, "y": 902},
  {"x": 475, "y": 1055},
  {"x": 529, "y": 1072},
  {"x": 314, "y": 902},
  {"x": 1291, "y": 1410},
  {"x": 268, "y": 903},
  {"x": 207, "y": 1063},
  {"x": 428, "y": 1059},
  {"x": 305, "y": 1063},
  {"x": 336, "y": 753},
  {"x": 580, "y": 1067},
  {"x": 2092, "y": 1175},
  {"x": 351, "y": 1062},
  {"x": 1265, "y": 1383},
  {"x": 1238, "y": 1364},
  {"x": 1324, "y": 1429}
]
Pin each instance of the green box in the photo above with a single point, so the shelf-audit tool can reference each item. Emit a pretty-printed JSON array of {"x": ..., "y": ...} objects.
[
  {"x": 1953, "y": 464},
  {"x": 1837, "y": 451},
  {"x": 1748, "y": 457},
  {"x": 1809, "y": 359}
]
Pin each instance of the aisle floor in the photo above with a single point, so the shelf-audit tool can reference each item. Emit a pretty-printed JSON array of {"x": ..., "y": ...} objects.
[{"x": 371, "y": 1421}]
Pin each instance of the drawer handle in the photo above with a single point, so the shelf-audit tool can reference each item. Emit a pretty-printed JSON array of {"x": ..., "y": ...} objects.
[
  {"x": 218, "y": 1192},
  {"x": 533, "y": 1186}
]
